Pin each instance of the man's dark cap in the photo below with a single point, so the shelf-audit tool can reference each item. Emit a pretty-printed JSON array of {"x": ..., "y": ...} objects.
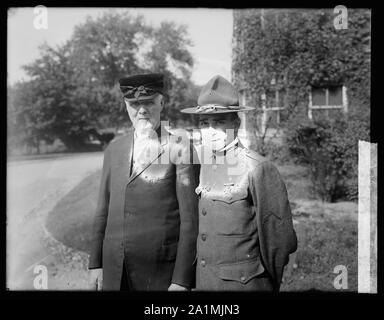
[{"x": 142, "y": 86}]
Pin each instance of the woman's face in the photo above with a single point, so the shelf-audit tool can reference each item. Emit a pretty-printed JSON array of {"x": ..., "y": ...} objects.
[{"x": 217, "y": 130}]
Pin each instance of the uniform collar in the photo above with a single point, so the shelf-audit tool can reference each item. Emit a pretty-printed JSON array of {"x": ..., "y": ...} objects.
[{"x": 227, "y": 148}]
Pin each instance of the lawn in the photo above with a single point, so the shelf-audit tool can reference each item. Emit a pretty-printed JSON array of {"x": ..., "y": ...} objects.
[
  {"x": 327, "y": 233},
  {"x": 70, "y": 221}
]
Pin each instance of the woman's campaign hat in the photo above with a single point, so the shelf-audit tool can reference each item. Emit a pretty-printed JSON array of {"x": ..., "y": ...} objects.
[
  {"x": 217, "y": 96},
  {"x": 142, "y": 86}
]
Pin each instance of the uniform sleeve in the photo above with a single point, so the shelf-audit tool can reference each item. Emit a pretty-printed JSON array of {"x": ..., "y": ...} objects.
[
  {"x": 186, "y": 183},
  {"x": 277, "y": 236},
  {"x": 101, "y": 215}
]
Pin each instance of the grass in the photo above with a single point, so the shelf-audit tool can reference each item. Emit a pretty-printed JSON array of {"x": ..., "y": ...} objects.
[
  {"x": 327, "y": 233},
  {"x": 327, "y": 236},
  {"x": 322, "y": 245},
  {"x": 70, "y": 221}
]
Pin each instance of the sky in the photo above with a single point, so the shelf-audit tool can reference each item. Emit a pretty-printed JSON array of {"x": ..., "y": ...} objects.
[{"x": 209, "y": 29}]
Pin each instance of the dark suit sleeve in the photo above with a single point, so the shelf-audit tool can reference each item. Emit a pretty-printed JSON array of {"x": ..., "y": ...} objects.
[
  {"x": 186, "y": 182},
  {"x": 101, "y": 215},
  {"x": 274, "y": 219}
]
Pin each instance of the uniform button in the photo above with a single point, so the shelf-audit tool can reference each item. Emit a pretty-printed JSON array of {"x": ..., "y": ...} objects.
[
  {"x": 203, "y": 263},
  {"x": 203, "y": 237},
  {"x": 242, "y": 278},
  {"x": 248, "y": 255},
  {"x": 203, "y": 212}
]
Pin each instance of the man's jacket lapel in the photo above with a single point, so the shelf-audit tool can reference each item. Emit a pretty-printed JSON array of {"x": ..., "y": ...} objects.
[
  {"x": 153, "y": 159},
  {"x": 124, "y": 159}
]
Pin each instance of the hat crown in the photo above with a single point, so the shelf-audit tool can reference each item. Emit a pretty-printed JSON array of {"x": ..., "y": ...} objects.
[
  {"x": 143, "y": 80},
  {"x": 218, "y": 91},
  {"x": 142, "y": 86}
]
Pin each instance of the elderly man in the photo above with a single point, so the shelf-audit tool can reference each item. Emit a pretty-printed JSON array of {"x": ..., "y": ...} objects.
[
  {"x": 145, "y": 226},
  {"x": 245, "y": 223}
]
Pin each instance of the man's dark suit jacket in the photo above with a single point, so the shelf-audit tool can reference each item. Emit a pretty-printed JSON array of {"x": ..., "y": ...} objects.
[{"x": 149, "y": 218}]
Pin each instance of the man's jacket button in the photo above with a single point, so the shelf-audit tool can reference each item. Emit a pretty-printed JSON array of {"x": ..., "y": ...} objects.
[
  {"x": 202, "y": 262},
  {"x": 203, "y": 237},
  {"x": 203, "y": 212},
  {"x": 242, "y": 278}
]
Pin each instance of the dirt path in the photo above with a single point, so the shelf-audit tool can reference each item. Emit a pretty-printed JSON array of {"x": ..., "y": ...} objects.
[{"x": 33, "y": 189}]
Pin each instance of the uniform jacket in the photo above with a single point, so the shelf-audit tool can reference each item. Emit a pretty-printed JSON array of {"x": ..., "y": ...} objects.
[
  {"x": 245, "y": 224},
  {"x": 150, "y": 218}
]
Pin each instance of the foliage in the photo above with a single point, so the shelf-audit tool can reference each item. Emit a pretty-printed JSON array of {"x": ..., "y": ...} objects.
[
  {"x": 330, "y": 149},
  {"x": 275, "y": 152},
  {"x": 27, "y": 125},
  {"x": 291, "y": 50},
  {"x": 74, "y": 87},
  {"x": 170, "y": 56}
]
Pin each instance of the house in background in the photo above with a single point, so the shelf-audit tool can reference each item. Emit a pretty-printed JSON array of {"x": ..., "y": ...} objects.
[{"x": 287, "y": 62}]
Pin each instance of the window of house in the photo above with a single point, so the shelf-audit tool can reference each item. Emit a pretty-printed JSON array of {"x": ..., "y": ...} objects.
[
  {"x": 275, "y": 105},
  {"x": 325, "y": 99},
  {"x": 319, "y": 97},
  {"x": 330, "y": 96},
  {"x": 276, "y": 99}
]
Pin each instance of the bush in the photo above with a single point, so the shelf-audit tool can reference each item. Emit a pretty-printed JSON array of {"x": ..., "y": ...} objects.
[
  {"x": 330, "y": 149},
  {"x": 274, "y": 152}
]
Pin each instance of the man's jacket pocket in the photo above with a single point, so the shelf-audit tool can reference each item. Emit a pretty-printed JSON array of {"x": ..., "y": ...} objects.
[{"x": 241, "y": 271}]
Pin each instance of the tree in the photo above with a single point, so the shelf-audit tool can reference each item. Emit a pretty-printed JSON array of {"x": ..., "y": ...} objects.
[
  {"x": 168, "y": 53},
  {"x": 117, "y": 45},
  {"x": 74, "y": 87},
  {"x": 57, "y": 110}
]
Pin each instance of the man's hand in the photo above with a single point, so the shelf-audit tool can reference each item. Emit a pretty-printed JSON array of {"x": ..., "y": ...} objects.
[
  {"x": 97, "y": 279},
  {"x": 177, "y": 287}
]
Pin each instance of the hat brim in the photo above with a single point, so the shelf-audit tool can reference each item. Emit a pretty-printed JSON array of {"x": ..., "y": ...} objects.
[
  {"x": 216, "y": 111},
  {"x": 142, "y": 98}
]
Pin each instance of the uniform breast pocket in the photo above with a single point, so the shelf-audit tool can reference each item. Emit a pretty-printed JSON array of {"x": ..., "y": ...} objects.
[
  {"x": 230, "y": 197},
  {"x": 233, "y": 213}
]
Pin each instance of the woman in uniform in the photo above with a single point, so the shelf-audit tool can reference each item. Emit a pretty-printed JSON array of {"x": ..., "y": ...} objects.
[{"x": 245, "y": 224}]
